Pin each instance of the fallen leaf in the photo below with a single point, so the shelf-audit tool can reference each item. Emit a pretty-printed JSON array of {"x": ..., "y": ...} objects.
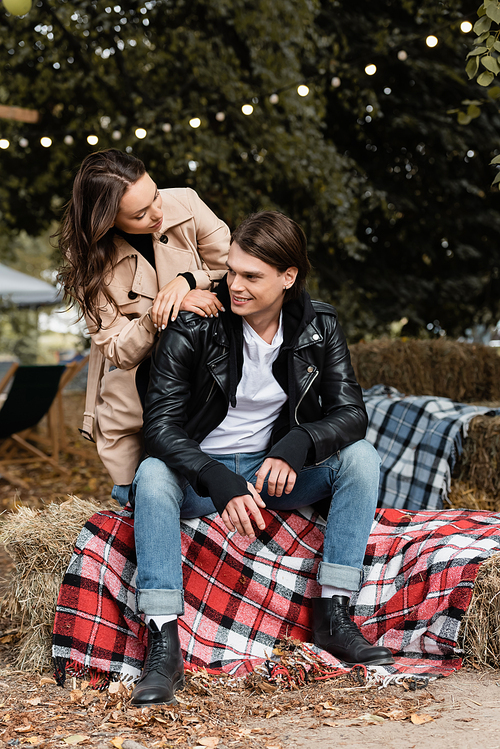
[
  {"x": 395, "y": 714},
  {"x": 114, "y": 687},
  {"x": 273, "y": 713},
  {"x": 117, "y": 742},
  {"x": 76, "y": 695},
  {"x": 419, "y": 720},
  {"x": 210, "y": 741},
  {"x": 47, "y": 680},
  {"x": 75, "y": 738},
  {"x": 34, "y": 701},
  {"x": 34, "y": 740},
  {"x": 8, "y": 638},
  {"x": 369, "y": 718},
  {"x": 24, "y": 729},
  {"x": 329, "y": 722}
]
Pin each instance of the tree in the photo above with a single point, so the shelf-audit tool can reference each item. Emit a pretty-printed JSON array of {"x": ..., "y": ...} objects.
[
  {"x": 429, "y": 217},
  {"x": 382, "y": 183}
]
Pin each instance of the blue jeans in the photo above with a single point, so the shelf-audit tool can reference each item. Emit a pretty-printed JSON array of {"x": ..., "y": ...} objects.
[{"x": 161, "y": 496}]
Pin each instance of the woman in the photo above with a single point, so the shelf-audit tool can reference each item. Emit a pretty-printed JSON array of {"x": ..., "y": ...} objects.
[{"x": 135, "y": 256}]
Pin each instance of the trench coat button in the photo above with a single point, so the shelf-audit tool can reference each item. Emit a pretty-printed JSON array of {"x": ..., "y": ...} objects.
[
  {"x": 315, "y": 337},
  {"x": 164, "y": 239},
  {"x": 132, "y": 295},
  {"x": 310, "y": 369}
]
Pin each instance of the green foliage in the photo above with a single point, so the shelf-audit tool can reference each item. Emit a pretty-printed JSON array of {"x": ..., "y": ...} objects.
[
  {"x": 377, "y": 191},
  {"x": 19, "y": 334}
]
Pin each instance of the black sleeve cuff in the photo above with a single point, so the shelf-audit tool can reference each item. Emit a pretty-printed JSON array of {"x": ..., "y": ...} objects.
[
  {"x": 293, "y": 448},
  {"x": 222, "y": 484},
  {"x": 189, "y": 278}
]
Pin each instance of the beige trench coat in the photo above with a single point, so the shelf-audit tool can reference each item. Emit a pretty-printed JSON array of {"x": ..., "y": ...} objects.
[{"x": 198, "y": 242}]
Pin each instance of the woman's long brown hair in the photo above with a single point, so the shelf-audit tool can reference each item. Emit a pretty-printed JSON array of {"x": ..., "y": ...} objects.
[{"x": 86, "y": 236}]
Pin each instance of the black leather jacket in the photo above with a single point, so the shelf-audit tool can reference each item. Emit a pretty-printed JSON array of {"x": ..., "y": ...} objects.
[{"x": 190, "y": 385}]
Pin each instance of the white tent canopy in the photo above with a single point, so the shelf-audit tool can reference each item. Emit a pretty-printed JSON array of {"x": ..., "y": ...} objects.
[{"x": 25, "y": 291}]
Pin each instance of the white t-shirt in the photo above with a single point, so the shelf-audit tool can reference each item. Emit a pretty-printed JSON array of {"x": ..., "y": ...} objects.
[{"x": 259, "y": 399}]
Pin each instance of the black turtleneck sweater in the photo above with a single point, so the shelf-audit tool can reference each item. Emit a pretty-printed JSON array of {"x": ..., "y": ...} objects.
[{"x": 143, "y": 243}]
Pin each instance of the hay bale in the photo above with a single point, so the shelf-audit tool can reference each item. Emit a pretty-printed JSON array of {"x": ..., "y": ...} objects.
[
  {"x": 466, "y": 496},
  {"x": 480, "y": 460},
  {"x": 464, "y": 372},
  {"x": 479, "y": 634},
  {"x": 41, "y": 543}
]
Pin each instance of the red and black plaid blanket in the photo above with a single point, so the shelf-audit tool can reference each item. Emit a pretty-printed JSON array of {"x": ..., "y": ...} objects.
[{"x": 241, "y": 596}]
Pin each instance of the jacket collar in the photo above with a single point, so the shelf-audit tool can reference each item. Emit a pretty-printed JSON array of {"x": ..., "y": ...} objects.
[
  {"x": 145, "y": 280},
  {"x": 174, "y": 212},
  {"x": 298, "y": 315}
]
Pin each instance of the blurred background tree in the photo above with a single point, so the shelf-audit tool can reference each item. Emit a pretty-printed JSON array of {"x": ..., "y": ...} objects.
[{"x": 391, "y": 188}]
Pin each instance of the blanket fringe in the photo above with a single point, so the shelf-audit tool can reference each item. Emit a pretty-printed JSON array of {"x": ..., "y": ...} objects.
[{"x": 98, "y": 679}]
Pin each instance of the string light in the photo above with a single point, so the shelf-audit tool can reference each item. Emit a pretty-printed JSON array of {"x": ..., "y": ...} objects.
[
  {"x": 17, "y": 7},
  {"x": 195, "y": 122}
]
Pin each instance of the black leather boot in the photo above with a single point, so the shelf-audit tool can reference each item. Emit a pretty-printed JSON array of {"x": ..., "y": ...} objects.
[
  {"x": 163, "y": 672},
  {"x": 334, "y": 631}
]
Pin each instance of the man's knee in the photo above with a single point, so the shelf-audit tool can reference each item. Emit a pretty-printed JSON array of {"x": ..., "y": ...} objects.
[
  {"x": 155, "y": 480},
  {"x": 361, "y": 455}
]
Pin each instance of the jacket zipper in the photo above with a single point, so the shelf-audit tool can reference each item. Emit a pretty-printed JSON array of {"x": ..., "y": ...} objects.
[
  {"x": 304, "y": 395},
  {"x": 297, "y": 421},
  {"x": 211, "y": 391}
]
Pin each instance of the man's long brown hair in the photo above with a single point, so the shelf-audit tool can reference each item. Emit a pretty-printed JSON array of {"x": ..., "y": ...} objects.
[{"x": 86, "y": 236}]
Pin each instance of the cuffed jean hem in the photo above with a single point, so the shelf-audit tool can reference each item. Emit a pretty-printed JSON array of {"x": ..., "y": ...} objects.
[
  {"x": 160, "y": 602},
  {"x": 121, "y": 493},
  {"x": 339, "y": 575}
]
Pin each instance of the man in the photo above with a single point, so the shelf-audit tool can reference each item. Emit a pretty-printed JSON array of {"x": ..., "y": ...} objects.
[{"x": 263, "y": 394}]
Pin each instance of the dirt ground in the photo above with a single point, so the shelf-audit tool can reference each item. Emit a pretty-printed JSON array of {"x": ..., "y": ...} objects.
[{"x": 461, "y": 710}]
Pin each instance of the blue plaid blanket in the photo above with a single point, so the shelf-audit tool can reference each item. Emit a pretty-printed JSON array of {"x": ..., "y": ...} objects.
[{"x": 418, "y": 438}]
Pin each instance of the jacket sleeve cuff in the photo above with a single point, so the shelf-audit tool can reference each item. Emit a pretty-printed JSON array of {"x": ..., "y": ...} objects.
[
  {"x": 148, "y": 323},
  {"x": 293, "y": 448},
  {"x": 203, "y": 280},
  {"x": 222, "y": 484}
]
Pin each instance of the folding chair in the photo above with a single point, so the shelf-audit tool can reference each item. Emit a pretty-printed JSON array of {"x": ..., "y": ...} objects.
[
  {"x": 30, "y": 397},
  {"x": 57, "y": 425}
]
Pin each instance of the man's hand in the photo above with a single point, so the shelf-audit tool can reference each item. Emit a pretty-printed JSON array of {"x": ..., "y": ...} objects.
[
  {"x": 237, "y": 512},
  {"x": 281, "y": 477},
  {"x": 204, "y": 303}
]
